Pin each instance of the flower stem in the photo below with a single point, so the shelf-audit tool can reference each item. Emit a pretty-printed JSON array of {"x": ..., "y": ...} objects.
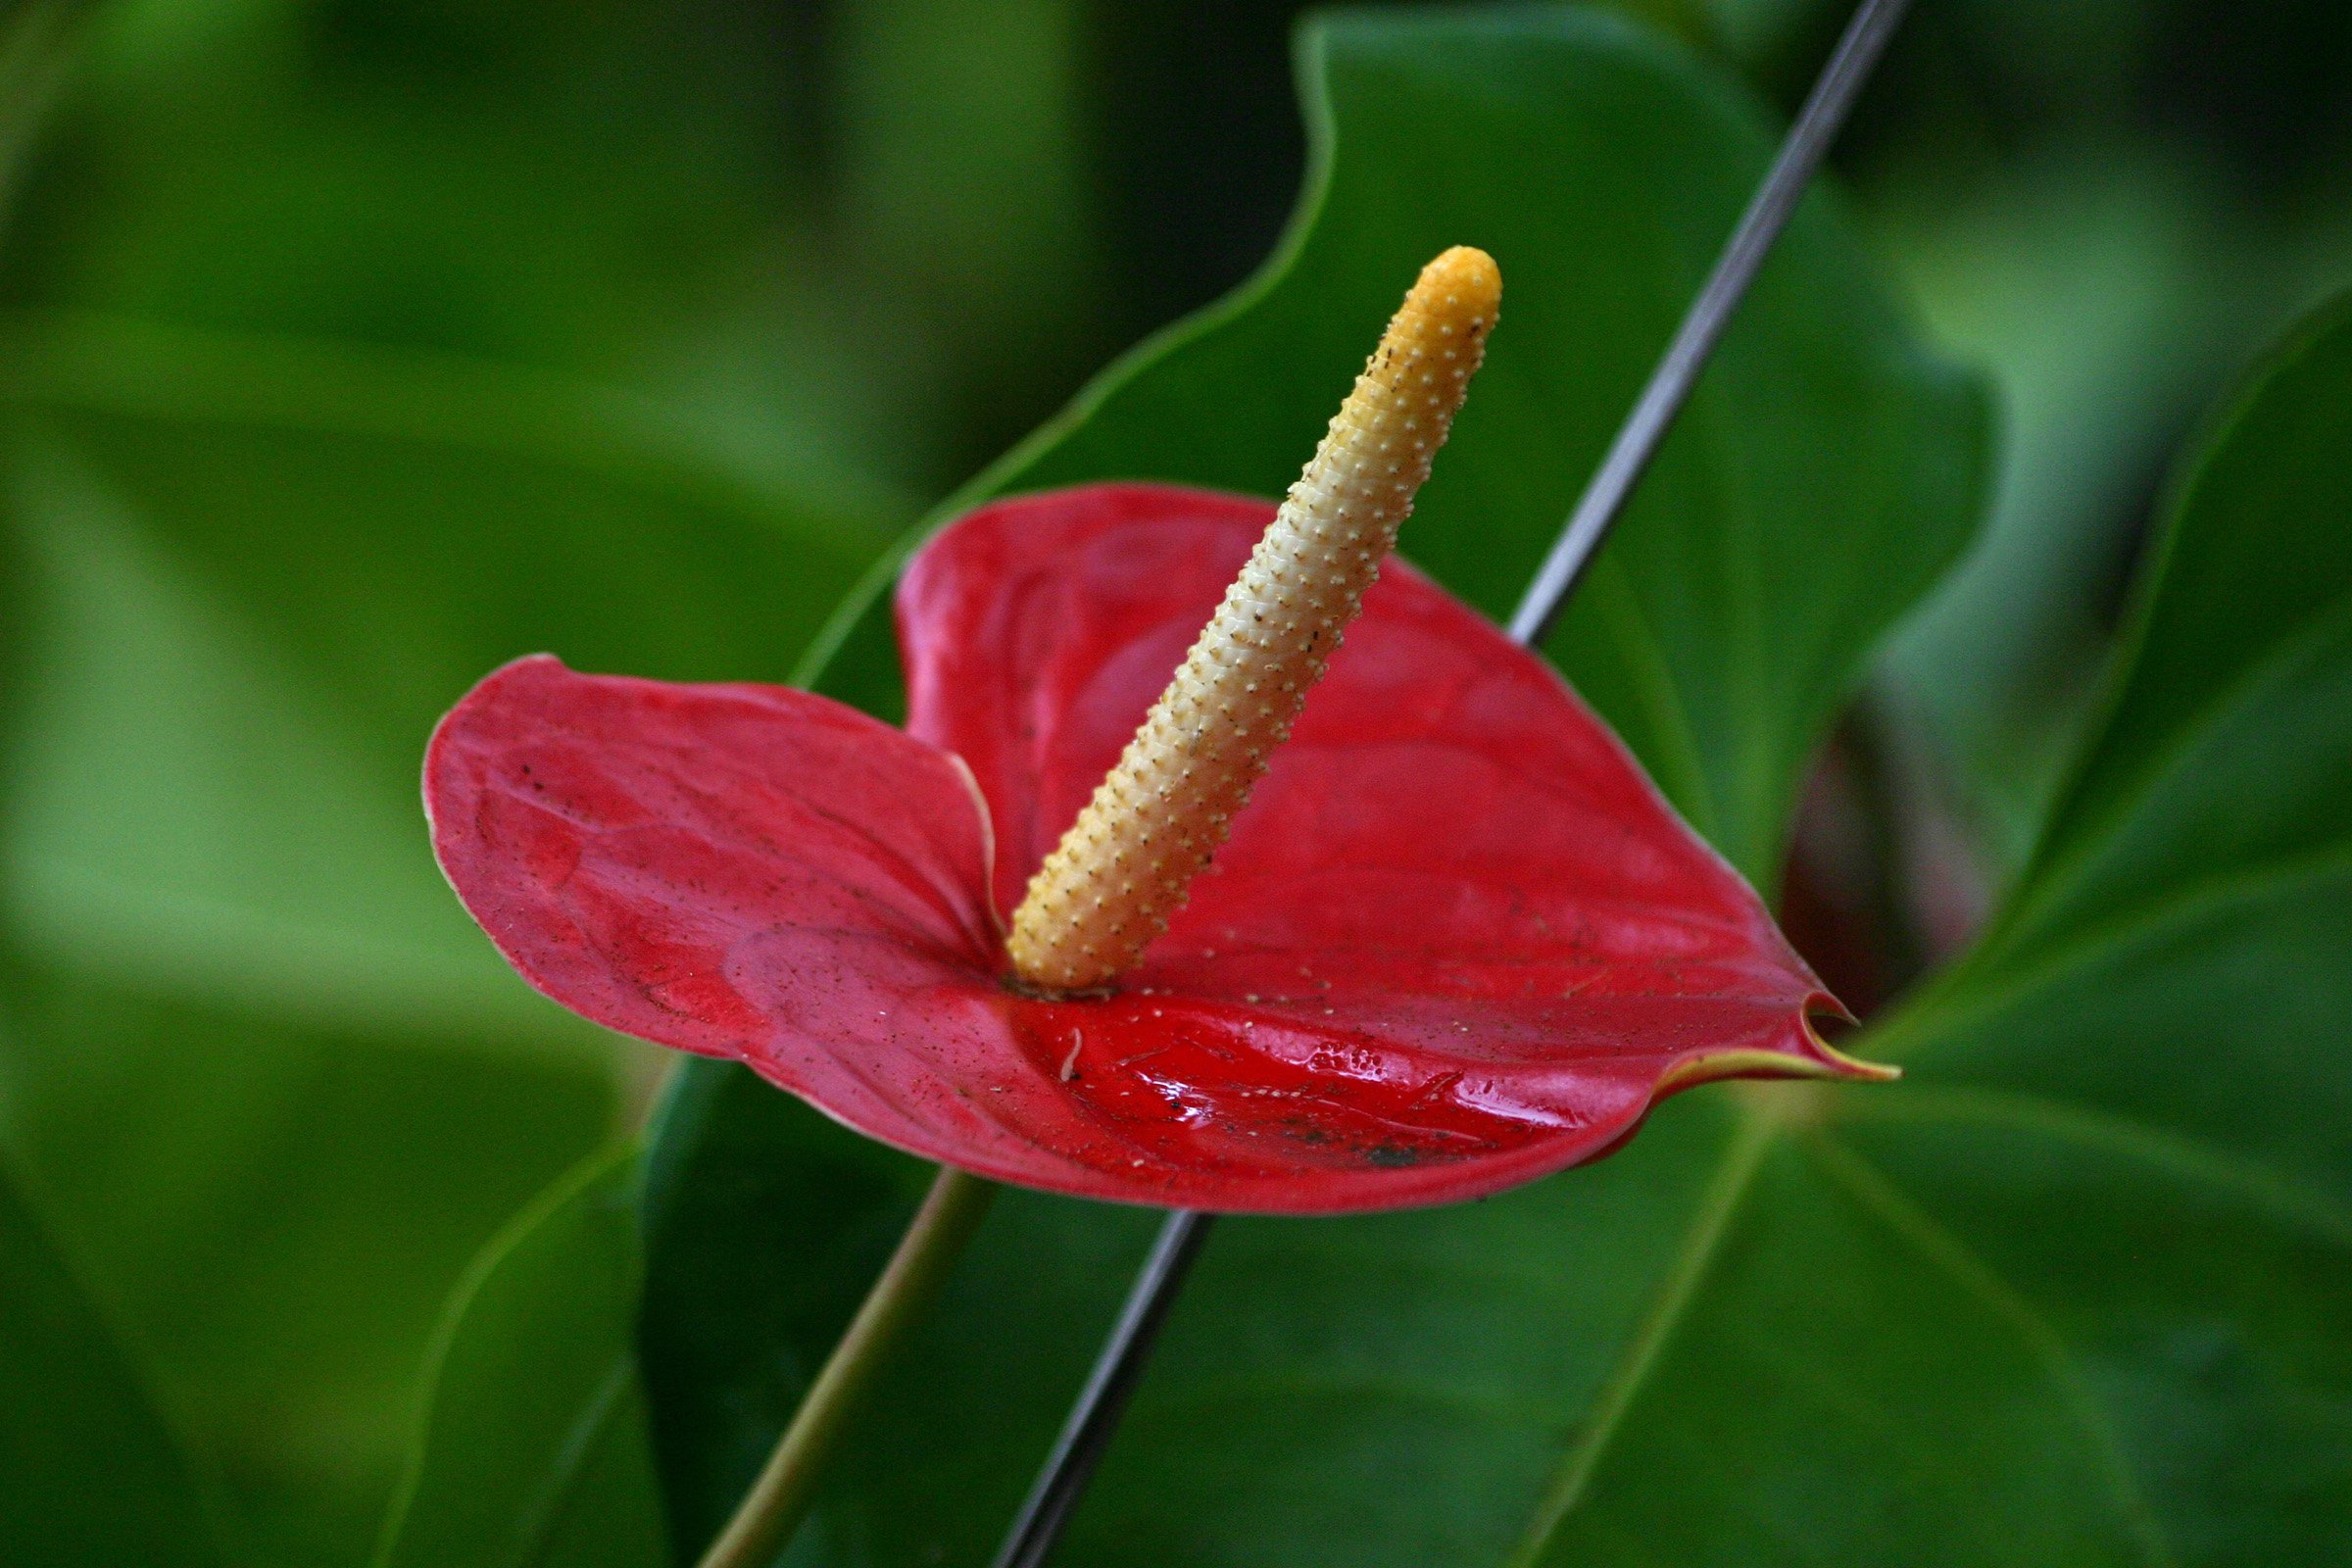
[{"x": 779, "y": 1499}]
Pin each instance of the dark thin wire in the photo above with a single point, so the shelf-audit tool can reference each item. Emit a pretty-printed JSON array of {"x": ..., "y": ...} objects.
[
  {"x": 1874, "y": 22},
  {"x": 1120, "y": 1366},
  {"x": 1095, "y": 1415}
]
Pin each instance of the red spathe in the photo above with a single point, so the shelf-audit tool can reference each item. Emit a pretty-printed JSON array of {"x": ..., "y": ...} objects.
[{"x": 1456, "y": 939}]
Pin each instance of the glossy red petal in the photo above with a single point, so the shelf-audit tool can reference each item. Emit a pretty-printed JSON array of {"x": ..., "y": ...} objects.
[
  {"x": 1456, "y": 939},
  {"x": 742, "y": 871}
]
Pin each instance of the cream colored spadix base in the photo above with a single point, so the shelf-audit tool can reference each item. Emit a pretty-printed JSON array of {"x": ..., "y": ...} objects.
[{"x": 1108, "y": 888}]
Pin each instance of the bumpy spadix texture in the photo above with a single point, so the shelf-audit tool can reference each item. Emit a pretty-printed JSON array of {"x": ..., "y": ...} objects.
[{"x": 1106, "y": 891}]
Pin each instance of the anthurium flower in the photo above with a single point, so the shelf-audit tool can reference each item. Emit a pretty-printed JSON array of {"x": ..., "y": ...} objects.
[{"x": 1454, "y": 940}]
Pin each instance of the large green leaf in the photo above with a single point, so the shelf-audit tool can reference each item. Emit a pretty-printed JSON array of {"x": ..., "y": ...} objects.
[
  {"x": 2152, "y": 1041},
  {"x": 533, "y": 1452},
  {"x": 90, "y": 1474},
  {"x": 1361, "y": 1391},
  {"x": 1828, "y": 469},
  {"x": 2079, "y": 1292}
]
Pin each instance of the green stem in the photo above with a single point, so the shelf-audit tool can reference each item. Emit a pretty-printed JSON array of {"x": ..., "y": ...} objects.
[{"x": 779, "y": 1500}]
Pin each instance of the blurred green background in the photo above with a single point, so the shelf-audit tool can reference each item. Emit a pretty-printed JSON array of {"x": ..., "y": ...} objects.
[{"x": 350, "y": 347}]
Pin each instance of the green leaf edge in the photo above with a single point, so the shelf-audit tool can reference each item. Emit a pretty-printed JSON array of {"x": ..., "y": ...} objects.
[
  {"x": 1309, "y": 72},
  {"x": 108, "y": 1323},
  {"x": 1311, "y": 50},
  {"x": 1913, "y": 1022},
  {"x": 559, "y": 1196},
  {"x": 2205, "y": 443}
]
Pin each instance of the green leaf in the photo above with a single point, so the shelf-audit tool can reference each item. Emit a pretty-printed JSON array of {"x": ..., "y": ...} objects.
[
  {"x": 2150, "y": 1042},
  {"x": 1360, "y": 1390},
  {"x": 1826, "y": 470},
  {"x": 533, "y": 1453},
  {"x": 91, "y": 1473},
  {"x": 2174, "y": 952},
  {"x": 1407, "y": 1388},
  {"x": 2078, "y": 1289}
]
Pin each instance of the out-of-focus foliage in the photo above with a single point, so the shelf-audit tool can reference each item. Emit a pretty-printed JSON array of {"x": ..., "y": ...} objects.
[
  {"x": 2112, "y": 202},
  {"x": 534, "y": 1449},
  {"x": 77, "y": 1408},
  {"x": 273, "y": 1211},
  {"x": 350, "y": 350}
]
